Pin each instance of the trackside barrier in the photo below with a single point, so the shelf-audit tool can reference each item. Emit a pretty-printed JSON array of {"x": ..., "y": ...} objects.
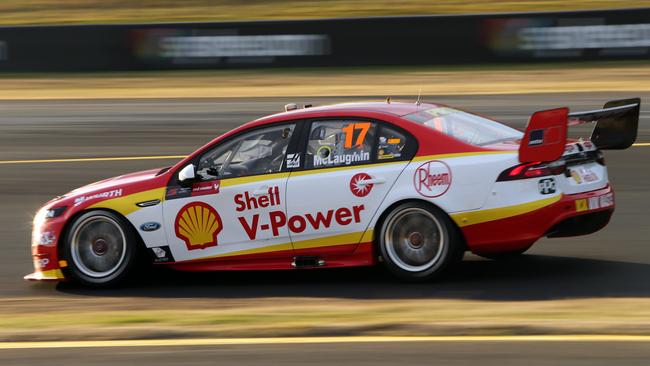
[{"x": 424, "y": 40}]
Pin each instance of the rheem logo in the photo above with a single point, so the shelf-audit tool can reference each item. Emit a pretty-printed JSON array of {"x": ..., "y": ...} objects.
[
  {"x": 432, "y": 179},
  {"x": 198, "y": 225}
]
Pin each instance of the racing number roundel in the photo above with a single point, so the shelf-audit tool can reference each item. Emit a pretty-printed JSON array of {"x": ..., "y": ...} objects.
[
  {"x": 360, "y": 190},
  {"x": 198, "y": 225},
  {"x": 432, "y": 179}
]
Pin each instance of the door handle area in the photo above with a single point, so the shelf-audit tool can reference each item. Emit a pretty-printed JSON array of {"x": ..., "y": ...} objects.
[{"x": 366, "y": 182}]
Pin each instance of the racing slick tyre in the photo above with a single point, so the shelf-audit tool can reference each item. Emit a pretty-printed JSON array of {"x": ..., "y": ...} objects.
[
  {"x": 419, "y": 242},
  {"x": 505, "y": 255},
  {"x": 101, "y": 249}
]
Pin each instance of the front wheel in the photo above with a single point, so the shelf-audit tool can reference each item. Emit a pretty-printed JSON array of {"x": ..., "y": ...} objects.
[
  {"x": 100, "y": 248},
  {"x": 418, "y": 242}
]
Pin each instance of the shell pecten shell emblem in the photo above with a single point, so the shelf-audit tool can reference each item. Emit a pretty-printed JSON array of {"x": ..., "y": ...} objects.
[{"x": 198, "y": 225}]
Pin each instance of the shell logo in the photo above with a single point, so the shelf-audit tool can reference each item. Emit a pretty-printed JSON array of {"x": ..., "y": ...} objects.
[{"x": 198, "y": 225}]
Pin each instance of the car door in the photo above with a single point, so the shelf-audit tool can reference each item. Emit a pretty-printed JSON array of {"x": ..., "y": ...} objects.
[
  {"x": 348, "y": 168},
  {"x": 236, "y": 203}
]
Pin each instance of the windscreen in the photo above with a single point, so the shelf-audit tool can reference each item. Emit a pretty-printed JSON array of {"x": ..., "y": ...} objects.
[{"x": 463, "y": 126}]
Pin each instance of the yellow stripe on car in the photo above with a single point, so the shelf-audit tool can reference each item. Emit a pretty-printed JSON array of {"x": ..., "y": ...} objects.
[
  {"x": 252, "y": 179},
  {"x": 327, "y": 241},
  {"x": 127, "y": 204},
  {"x": 341, "y": 168},
  {"x": 491, "y": 214}
]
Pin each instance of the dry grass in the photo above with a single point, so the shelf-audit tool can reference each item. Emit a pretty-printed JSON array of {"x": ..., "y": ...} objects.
[
  {"x": 127, "y": 318},
  {"x": 330, "y": 82},
  {"x": 124, "y": 11}
]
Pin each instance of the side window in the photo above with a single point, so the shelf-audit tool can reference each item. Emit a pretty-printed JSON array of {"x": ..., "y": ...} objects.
[
  {"x": 392, "y": 145},
  {"x": 257, "y": 152},
  {"x": 339, "y": 143}
]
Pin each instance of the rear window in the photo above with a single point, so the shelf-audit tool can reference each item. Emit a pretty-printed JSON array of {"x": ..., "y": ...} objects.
[{"x": 463, "y": 126}]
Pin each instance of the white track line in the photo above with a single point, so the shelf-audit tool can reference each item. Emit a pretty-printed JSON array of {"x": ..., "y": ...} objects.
[{"x": 318, "y": 340}]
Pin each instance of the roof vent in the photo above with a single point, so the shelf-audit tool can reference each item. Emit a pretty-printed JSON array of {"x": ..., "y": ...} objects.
[{"x": 290, "y": 107}]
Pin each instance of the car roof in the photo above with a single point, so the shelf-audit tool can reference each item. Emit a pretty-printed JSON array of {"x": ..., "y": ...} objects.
[
  {"x": 394, "y": 108},
  {"x": 392, "y": 111}
]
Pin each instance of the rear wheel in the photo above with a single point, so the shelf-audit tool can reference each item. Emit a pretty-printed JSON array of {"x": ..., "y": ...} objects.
[
  {"x": 100, "y": 248},
  {"x": 418, "y": 242}
]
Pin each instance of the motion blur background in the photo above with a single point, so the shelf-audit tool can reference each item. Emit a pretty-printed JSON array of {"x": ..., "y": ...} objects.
[{"x": 154, "y": 80}]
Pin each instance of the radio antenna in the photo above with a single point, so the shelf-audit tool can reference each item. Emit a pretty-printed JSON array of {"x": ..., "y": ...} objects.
[{"x": 417, "y": 102}]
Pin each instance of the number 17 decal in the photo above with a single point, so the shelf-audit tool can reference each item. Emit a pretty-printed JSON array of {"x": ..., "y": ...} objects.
[{"x": 349, "y": 133}]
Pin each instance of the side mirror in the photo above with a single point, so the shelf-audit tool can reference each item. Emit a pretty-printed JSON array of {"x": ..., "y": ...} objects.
[{"x": 187, "y": 173}]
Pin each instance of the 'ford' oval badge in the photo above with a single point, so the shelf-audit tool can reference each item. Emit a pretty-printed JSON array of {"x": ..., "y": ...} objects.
[{"x": 150, "y": 226}]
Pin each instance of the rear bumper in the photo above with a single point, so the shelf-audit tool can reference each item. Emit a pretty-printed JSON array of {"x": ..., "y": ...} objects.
[{"x": 573, "y": 214}]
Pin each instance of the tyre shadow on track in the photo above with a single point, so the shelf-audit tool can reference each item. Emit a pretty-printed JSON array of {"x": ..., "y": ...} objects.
[{"x": 531, "y": 277}]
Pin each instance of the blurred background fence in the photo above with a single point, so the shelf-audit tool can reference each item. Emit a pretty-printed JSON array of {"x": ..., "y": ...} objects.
[{"x": 424, "y": 40}]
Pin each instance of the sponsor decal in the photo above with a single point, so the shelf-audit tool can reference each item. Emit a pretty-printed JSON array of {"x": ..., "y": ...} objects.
[
  {"x": 47, "y": 239},
  {"x": 570, "y": 149},
  {"x": 204, "y": 188},
  {"x": 108, "y": 194},
  {"x": 593, "y": 203},
  {"x": 577, "y": 37},
  {"x": 274, "y": 220},
  {"x": 293, "y": 160},
  {"x": 198, "y": 225},
  {"x": 582, "y": 174},
  {"x": 322, "y": 159},
  {"x": 546, "y": 186},
  {"x": 247, "y": 201},
  {"x": 536, "y": 137},
  {"x": 432, "y": 179},
  {"x": 589, "y": 176},
  {"x": 178, "y": 192},
  {"x": 543, "y": 37},
  {"x": 205, "y": 46},
  {"x": 150, "y": 226},
  {"x": 41, "y": 263},
  {"x": 357, "y": 187},
  {"x": 576, "y": 176},
  {"x": 606, "y": 200},
  {"x": 389, "y": 148},
  {"x": 161, "y": 254}
]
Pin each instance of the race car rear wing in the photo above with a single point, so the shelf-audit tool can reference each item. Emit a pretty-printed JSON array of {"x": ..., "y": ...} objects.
[
  {"x": 546, "y": 133},
  {"x": 616, "y": 124}
]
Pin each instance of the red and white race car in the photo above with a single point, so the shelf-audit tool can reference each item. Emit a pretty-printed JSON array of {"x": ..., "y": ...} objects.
[{"x": 411, "y": 185}]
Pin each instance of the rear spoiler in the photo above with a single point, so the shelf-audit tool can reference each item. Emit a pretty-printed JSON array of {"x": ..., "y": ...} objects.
[
  {"x": 616, "y": 124},
  {"x": 545, "y": 137}
]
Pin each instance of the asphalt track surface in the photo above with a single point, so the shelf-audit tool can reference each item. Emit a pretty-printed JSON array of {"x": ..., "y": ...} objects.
[
  {"x": 411, "y": 353},
  {"x": 613, "y": 262}
]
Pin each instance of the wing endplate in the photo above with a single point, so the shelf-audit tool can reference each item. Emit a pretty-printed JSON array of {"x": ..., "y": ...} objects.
[{"x": 545, "y": 136}]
